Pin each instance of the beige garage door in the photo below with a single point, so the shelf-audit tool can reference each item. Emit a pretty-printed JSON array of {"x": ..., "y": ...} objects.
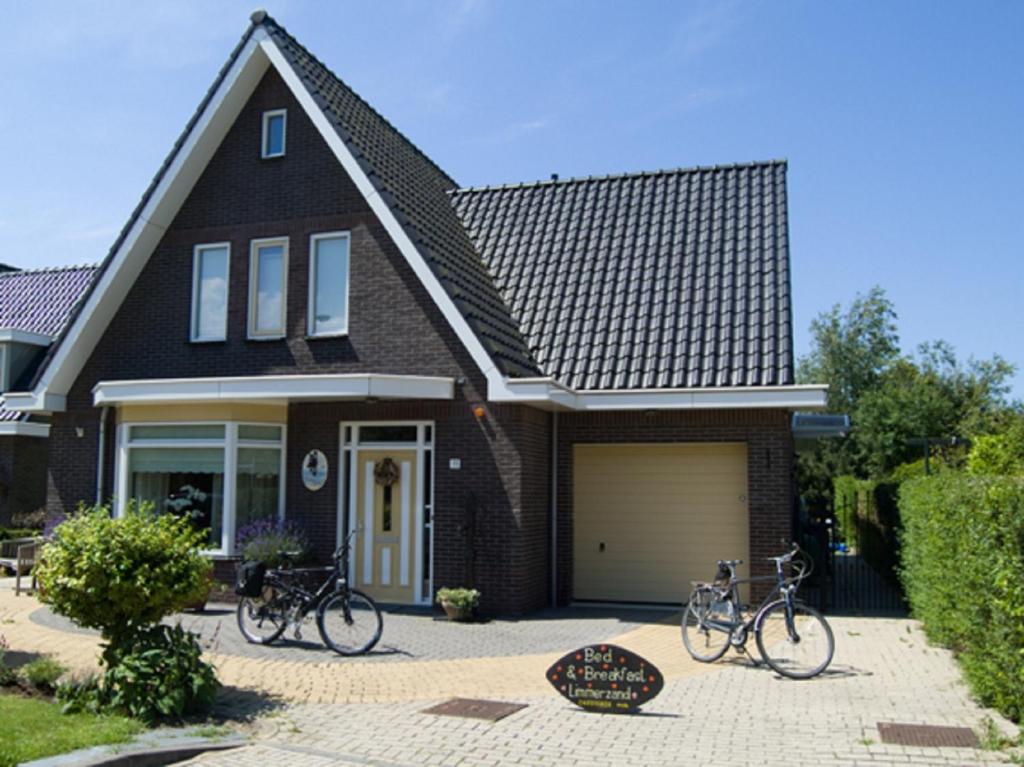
[{"x": 648, "y": 519}]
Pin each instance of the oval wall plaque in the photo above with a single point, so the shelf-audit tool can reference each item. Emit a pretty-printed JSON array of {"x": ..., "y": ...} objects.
[
  {"x": 314, "y": 470},
  {"x": 606, "y": 678}
]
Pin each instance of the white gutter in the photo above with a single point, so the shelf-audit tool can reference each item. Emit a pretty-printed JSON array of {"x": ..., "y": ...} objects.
[
  {"x": 15, "y": 336},
  {"x": 24, "y": 429},
  {"x": 546, "y": 392}
]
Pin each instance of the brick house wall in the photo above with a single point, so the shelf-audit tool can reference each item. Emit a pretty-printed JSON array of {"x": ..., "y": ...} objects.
[
  {"x": 22, "y": 475},
  {"x": 769, "y": 469},
  {"x": 482, "y": 520}
]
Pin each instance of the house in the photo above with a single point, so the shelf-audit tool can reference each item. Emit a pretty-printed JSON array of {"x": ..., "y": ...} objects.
[
  {"x": 34, "y": 308},
  {"x": 553, "y": 391}
]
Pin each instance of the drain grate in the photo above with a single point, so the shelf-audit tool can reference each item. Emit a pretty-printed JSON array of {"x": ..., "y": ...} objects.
[
  {"x": 927, "y": 735},
  {"x": 492, "y": 710}
]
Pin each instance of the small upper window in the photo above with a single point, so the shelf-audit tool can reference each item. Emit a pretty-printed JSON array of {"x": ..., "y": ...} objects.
[
  {"x": 328, "y": 285},
  {"x": 273, "y": 133},
  {"x": 268, "y": 279},
  {"x": 210, "y": 292}
]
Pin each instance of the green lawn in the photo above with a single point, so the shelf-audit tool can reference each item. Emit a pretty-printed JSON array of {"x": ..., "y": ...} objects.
[{"x": 33, "y": 729}]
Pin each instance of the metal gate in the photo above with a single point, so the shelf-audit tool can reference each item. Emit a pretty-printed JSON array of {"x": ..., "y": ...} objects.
[{"x": 856, "y": 556}]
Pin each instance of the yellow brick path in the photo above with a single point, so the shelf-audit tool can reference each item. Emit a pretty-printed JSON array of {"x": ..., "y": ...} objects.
[{"x": 354, "y": 682}]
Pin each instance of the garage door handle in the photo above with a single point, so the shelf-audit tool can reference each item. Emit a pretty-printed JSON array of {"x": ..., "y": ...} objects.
[{"x": 600, "y": 547}]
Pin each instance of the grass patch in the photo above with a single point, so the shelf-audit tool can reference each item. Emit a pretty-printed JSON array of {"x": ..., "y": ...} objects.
[{"x": 33, "y": 729}]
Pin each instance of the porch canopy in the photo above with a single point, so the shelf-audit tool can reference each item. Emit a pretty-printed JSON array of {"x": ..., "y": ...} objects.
[{"x": 273, "y": 389}]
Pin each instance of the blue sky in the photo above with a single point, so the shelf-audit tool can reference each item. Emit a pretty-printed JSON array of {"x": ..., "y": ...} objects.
[{"x": 903, "y": 123}]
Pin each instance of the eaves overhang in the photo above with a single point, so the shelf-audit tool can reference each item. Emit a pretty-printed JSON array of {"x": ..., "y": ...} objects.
[
  {"x": 546, "y": 393},
  {"x": 273, "y": 389}
]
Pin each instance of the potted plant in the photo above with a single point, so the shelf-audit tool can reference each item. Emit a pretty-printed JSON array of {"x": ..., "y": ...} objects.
[
  {"x": 459, "y": 604},
  {"x": 264, "y": 539}
]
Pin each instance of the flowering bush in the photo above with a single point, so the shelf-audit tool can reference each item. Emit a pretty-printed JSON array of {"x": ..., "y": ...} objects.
[{"x": 264, "y": 540}]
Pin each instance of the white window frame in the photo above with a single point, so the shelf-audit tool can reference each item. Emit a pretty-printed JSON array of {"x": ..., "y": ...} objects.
[
  {"x": 265, "y": 134},
  {"x": 311, "y": 302},
  {"x": 197, "y": 254},
  {"x": 254, "y": 249},
  {"x": 230, "y": 443}
]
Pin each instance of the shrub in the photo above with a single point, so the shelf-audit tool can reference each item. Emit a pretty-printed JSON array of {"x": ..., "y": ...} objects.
[
  {"x": 122, "y": 575},
  {"x": 43, "y": 673},
  {"x": 999, "y": 454},
  {"x": 460, "y": 599},
  {"x": 7, "y": 675},
  {"x": 264, "y": 539},
  {"x": 33, "y": 520},
  {"x": 963, "y": 569},
  {"x": 12, "y": 533},
  {"x": 159, "y": 675}
]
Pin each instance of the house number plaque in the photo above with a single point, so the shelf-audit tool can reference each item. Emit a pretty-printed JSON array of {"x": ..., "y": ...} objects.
[
  {"x": 314, "y": 470},
  {"x": 606, "y": 678}
]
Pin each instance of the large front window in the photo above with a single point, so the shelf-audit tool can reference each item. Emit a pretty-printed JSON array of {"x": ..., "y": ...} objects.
[{"x": 221, "y": 476}]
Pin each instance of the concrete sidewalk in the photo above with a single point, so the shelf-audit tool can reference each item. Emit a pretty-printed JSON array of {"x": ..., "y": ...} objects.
[
  {"x": 732, "y": 714},
  {"x": 337, "y": 711}
]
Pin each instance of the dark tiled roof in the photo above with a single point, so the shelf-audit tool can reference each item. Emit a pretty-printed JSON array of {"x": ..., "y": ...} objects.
[
  {"x": 416, "y": 190},
  {"x": 669, "y": 279},
  {"x": 42, "y": 300}
]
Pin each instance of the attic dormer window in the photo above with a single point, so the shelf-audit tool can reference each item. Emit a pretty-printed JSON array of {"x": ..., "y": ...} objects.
[{"x": 274, "y": 124}]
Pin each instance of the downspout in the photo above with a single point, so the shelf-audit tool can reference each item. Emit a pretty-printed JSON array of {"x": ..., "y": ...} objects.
[
  {"x": 554, "y": 508},
  {"x": 102, "y": 449}
]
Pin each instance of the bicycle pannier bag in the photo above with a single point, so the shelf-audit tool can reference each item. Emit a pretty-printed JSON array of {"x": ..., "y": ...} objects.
[{"x": 249, "y": 579}]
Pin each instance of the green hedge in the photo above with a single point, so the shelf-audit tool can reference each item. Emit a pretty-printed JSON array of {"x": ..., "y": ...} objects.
[
  {"x": 867, "y": 515},
  {"x": 12, "y": 533},
  {"x": 963, "y": 570}
]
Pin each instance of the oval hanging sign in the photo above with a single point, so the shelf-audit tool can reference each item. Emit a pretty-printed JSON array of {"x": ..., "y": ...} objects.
[
  {"x": 314, "y": 470},
  {"x": 606, "y": 678}
]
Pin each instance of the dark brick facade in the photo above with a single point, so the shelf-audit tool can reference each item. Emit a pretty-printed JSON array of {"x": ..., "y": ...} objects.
[
  {"x": 22, "y": 476},
  {"x": 769, "y": 468},
  {"x": 491, "y": 517},
  {"x": 487, "y": 516}
]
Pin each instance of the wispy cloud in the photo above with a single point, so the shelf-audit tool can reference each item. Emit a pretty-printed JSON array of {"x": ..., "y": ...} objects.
[
  {"x": 707, "y": 27},
  {"x": 149, "y": 36},
  {"x": 99, "y": 232},
  {"x": 460, "y": 15},
  {"x": 515, "y": 131}
]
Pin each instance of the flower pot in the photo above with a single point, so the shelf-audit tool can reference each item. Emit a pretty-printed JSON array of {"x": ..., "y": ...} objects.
[{"x": 457, "y": 612}]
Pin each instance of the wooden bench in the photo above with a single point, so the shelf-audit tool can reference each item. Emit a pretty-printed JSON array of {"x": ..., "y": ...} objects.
[{"x": 18, "y": 555}]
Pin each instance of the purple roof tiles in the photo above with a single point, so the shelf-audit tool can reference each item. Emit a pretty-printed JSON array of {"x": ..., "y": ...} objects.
[{"x": 41, "y": 300}]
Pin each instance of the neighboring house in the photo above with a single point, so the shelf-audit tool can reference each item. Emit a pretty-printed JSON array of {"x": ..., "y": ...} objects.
[
  {"x": 34, "y": 308},
  {"x": 556, "y": 391}
]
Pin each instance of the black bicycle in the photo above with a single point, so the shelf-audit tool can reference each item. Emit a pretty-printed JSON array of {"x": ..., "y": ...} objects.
[
  {"x": 792, "y": 637},
  {"x": 349, "y": 621}
]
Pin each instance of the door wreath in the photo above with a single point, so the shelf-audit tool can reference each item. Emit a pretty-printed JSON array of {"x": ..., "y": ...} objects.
[{"x": 385, "y": 472}]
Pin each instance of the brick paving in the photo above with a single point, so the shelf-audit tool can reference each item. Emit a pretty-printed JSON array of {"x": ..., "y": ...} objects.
[{"x": 361, "y": 712}]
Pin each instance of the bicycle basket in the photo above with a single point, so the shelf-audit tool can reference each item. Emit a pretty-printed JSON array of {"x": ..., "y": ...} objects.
[{"x": 249, "y": 579}]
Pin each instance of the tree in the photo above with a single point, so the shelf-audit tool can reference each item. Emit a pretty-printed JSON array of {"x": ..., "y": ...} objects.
[
  {"x": 850, "y": 351},
  {"x": 892, "y": 399}
]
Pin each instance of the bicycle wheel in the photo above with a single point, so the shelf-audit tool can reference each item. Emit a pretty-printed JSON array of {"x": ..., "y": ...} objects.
[
  {"x": 704, "y": 640},
  {"x": 799, "y": 648},
  {"x": 264, "y": 618},
  {"x": 350, "y": 623}
]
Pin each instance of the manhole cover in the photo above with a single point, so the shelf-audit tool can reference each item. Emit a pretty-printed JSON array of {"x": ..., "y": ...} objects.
[
  {"x": 927, "y": 735},
  {"x": 492, "y": 710}
]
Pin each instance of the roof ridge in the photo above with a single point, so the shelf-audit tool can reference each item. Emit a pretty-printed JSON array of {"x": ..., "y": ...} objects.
[
  {"x": 620, "y": 176},
  {"x": 262, "y": 17},
  {"x": 16, "y": 272}
]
